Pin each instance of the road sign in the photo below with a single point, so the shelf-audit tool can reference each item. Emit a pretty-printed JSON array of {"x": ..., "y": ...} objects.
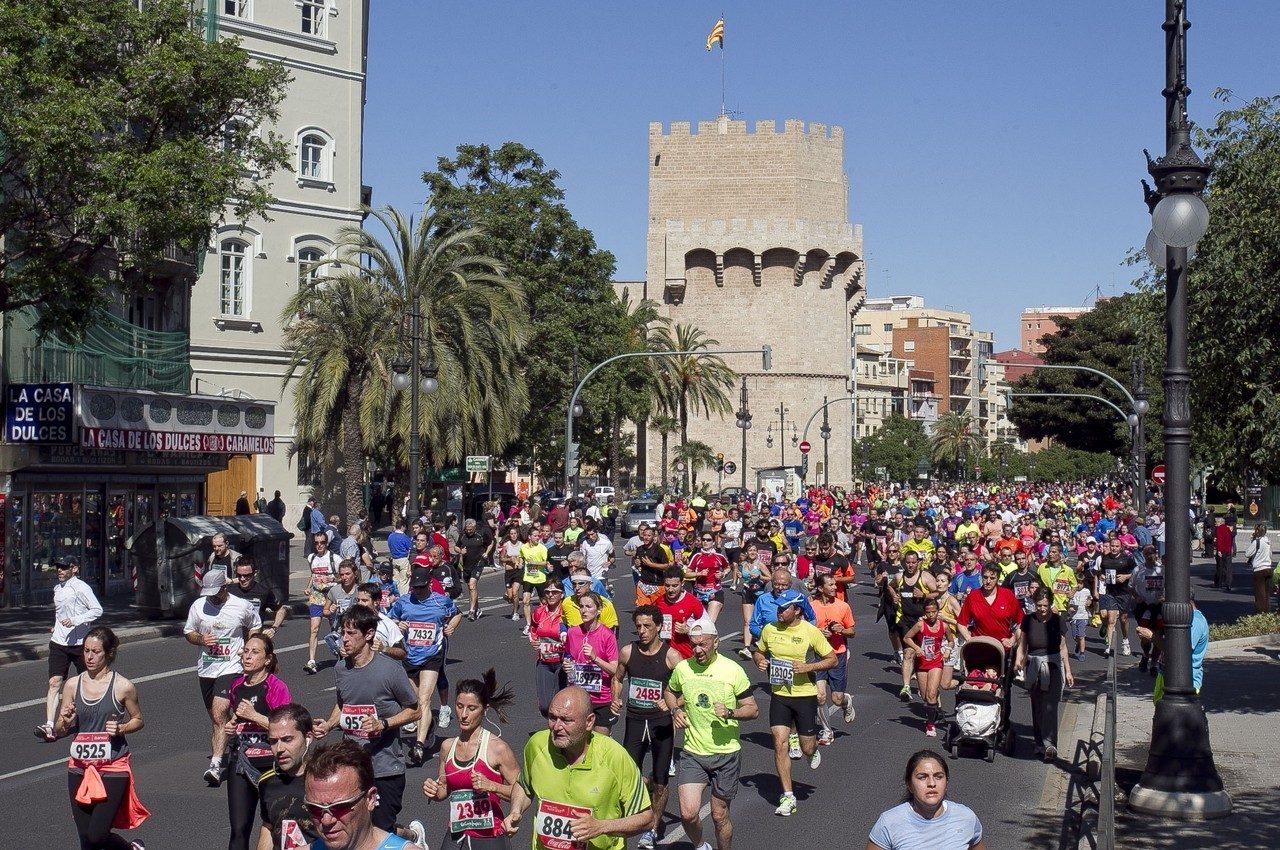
[
  {"x": 730, "y": 467},
  {"x": 477, "y": 463},
  {"x": 804, "y": 447},
  {"x": 1157, "y": 474}
]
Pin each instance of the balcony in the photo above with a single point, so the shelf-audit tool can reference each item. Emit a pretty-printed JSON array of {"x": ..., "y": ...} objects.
[{"x": 114, "y": 353}]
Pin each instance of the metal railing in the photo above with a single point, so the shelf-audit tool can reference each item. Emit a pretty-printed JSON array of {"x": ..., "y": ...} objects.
[{"x": 1107, "y": 791}]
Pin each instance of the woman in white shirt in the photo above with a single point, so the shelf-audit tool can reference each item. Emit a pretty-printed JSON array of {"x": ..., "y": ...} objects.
[
  {"x": 1260, "y": 563},
  {"x": 75, "y": 608}
]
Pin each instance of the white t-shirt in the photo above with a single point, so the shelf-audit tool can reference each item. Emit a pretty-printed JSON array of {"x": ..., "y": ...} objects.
[
  {"x": 1080, "y": 601},
  {"x": 732, "y": 531},
  {"x": 227, "y": 622},
  {"x": 597, "y": 556},
  {"x": 75, "y": 601},
  {"x": 388, "y": 632}
]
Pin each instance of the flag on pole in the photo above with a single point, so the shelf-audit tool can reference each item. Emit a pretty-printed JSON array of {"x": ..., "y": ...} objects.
[{"x": 717, "y": 35}]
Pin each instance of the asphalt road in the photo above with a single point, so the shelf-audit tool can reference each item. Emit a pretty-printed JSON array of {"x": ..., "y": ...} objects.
[{"x": 860, "y": 775}]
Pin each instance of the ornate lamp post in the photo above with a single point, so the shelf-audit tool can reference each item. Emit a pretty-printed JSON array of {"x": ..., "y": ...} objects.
[
  {"x": 402, "y": 379},
  {"x": 825, "y": 433},
  {"x": 1180, "y": 779},
  {"x": 744, "y": 422}
]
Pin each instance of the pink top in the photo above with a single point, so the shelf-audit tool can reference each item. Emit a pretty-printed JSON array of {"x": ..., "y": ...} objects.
[
  {"x": 477, "y": 807},
  {"x": 587, "y": 675},
  {"x": 546, "y": 634}
]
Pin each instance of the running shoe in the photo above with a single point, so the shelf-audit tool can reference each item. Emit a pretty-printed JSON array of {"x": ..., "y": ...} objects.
[
  {"x": 815, "y": 760},
  {"x": 213, "y": 776},
  {"x": 471, "y": 616},
  {"x": 515, "y": 617},
  {"x": 899, "y": 654},
  {"x": 905, "y": 694},
  {"x": 479, "y": 613},
  {"x": 419, "y": 833},
  {"x": 1020, "y": 677},
  {"x": 930, "y": 730},
  {"x": 1050, "y": 753},
  {"x": 1125, "y": 648},
  {"x": 446, "y": 717},
  {"x": 1108, "y": 652},
  {"x": 793, "y": 743},
  {"x": 745, "y": 653},
  {"x": 849, "y": 711},
  {"x": 525, "y": 631},
  {"x": 410, "y": 728},
  {"x": 310, "y": 668},
  {"x": 786, "y": 806},
  {"x": 136, "y": 844},
  {"x": 417, "y": 754},
  {"x": 826, "y": 737},
  {"x": 646, "y": 840},
  {"x": 45, "y": 732}
]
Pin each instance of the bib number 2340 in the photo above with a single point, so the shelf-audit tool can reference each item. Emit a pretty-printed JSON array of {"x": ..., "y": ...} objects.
[{"x": 552, "y": 826}]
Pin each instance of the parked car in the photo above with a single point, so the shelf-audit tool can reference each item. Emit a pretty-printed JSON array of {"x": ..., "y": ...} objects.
[
  {"x": 636, "y": 512},
  {"x": 733, "y": 495},
  {"x": 603, "y": 494}
]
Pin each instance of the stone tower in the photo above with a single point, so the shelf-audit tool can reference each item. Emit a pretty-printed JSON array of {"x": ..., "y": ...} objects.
[{"x": 750, "y": 240}]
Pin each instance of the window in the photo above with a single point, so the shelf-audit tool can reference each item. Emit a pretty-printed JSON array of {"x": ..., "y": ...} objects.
[
  {"x": 236, "y": 8},
  {"x": 311, "y": 158},
  {"x": 888, "y": 327},
  {"x": 909, "y": 345},
  {"x": 315, "y": 157},
  {"x": 309, "y": 473},
  {"x": 862, "y": 330},
  {"x": 313, "y": 14},
  {"x": 309, "y": 265},
  {"x": 233, "y": 293}
]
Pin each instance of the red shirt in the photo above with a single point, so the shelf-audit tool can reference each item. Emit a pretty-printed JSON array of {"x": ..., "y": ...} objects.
[
  {"x": 686, "y": 608},
  {"x": 1224, "y": 540},
  {"x": 707, "y": 566},
  {"x": 994, "y": 619}
]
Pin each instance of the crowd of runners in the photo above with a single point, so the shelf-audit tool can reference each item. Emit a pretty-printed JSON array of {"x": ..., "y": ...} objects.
[{"x": 657, "y": 659}]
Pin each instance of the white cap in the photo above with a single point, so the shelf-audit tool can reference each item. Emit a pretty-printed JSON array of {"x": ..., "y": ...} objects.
[
  {"x": 213, "y": 582},
  {"x": 702, "y": 626}
]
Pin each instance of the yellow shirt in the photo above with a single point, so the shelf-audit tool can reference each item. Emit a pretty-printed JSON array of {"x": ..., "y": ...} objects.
[
  {"x": 790, "y": 646},
  {"x": 573, "y": 616},
  {"x": 923, "y": 548},
  {"x": 1062, "y": 582}
]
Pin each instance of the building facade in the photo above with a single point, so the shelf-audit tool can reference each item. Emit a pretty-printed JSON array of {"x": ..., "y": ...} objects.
[
  {"x": 749, "y": 239},
  {"x": 1038, "y": 322},
  {"x": 252, "y": 267}
]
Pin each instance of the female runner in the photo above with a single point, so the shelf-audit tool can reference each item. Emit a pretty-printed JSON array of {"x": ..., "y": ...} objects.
[
  {"x": 253, "y": 695},
  {"x": 591, "y": 660},
  {"x": 927, "y": 639},
  {"x": 547, "y": 637}
]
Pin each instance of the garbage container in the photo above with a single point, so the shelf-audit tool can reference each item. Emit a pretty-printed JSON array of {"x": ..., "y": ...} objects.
[
  {"x": 267, "y": 542},
  {"x": 171, "y": 561}
]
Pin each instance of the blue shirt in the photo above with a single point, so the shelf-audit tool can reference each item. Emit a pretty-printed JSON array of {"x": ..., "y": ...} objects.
[
  {"x": 1199, "y": 646},
  {"x": 424, "y": 642},
  {"x": 955, "y": 828},
  {"x": 597, "y": 587},
  {"x": 964, "y": 582},
  {"x": 399, "y": 544},
  {"x": 766, "y": 612},
  {"x": 318, "y": 523}
]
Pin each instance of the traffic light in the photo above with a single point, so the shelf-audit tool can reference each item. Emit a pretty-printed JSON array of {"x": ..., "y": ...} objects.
[
  {"x": 719, "y": 464},
  {"x": 767, "y": 353},
  {"x": 804, "y": 466},
  {"x": 571, "y": 460}
]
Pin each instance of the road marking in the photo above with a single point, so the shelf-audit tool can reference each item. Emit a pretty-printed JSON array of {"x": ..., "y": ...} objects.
[{"x": 34, "y": 768}]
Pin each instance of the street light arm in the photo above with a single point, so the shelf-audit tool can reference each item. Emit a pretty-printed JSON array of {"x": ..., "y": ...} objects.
[
  {"x": 819, "y": 410},
  {"x": 1124, "y": 416},
  {"x": 1128, "y": 395}
]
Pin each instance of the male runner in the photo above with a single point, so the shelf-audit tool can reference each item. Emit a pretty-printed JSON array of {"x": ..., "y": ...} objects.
[
  {"x": 389, "y": 640},
  {"x": 260, "y": 594},
  {"x": 323, "y": 566},
  {"x": 223, "y": 557},
  {"x": 345, "y": 801},
  {"x": 285, "y": 825},
  {"x": 426, "y": 618},
  {"x": 651, "y": 560},
  {"x": 835, "y": 620},
  {"x": 828, "y": 561},
  {"x": 645, "y": 666},
  {"x": 598, "y": 551},
  {"x": 782, "y": 651},
  {"x": 476, "y": 546},
  {"x": 677, "y": 607},
  {"x": 908, "y": 593},
  {"x": 337, "y": 599}
]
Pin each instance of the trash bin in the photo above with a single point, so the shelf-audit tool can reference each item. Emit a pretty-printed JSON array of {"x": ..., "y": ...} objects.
[
  {"x": 267, "y": 542},
  {"x": 171, "y": 562}
]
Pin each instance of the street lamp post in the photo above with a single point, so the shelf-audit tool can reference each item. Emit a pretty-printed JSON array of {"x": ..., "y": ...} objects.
[
  {"x": 826, "y": 439},
  {"x": 1180, "y": 778},
  {"x": 404, "y": 378},
  {"x": 782, "y": 410},
  {"x": 744, "y": 422}
]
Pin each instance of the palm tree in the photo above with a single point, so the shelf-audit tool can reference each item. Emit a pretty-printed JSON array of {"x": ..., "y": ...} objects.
[
  {"x": 696, "y": 382},
  {"x": 628, "y": 385},
  {"x": 953, "y": 438},
  {"x": 695, "y": 454},
  {"x": 664, "y": 425}
]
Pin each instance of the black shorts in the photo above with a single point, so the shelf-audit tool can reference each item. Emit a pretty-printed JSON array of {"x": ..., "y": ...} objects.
[
  {"x": 63, "y": 658},
  {"x": 656, "y": 735},
  {"x": 510, "y": 577},
  {"x": 435, "y": 663},
  {"x": 215, "y": 687},
  {"x": 473, "y": 573},
  {"x": 390, "y": 801},
  {"x": 605, "y": 718},
  {"x": 905, "y": 625},
  {"x": 1149, "y": 614},
  {"x": 530, "y": 587},
  {"x": 801, "y": 711}
]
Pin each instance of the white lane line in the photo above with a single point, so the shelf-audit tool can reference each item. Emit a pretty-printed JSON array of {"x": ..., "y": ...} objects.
[
  {"x": 677, "y": 834},
  {"x": 5, "y": 776}
]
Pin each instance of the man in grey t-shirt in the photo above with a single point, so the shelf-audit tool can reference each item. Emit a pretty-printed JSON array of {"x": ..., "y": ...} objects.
[{"x": 374, "y": 699}]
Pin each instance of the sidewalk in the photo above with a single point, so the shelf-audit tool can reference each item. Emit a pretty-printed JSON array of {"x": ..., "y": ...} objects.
[{"x": 1241, "y": 698}]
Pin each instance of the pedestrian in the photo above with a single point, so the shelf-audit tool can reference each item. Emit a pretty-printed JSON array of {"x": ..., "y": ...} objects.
[
  {"x": 75, "y": 608},
  {"x": 276, "y": 508},
  {"x": 315, "y": 519},
  {"x": 242, "y": 504},
  {"x": 927, "y": 818},
  {"x": 1260, "y": 562},
  {"x": 260, "y": 505},
  {"x": 223, "y": 557},
  {"x": 1044, "y": 660},
  {"x": 377, "y": 502},
  {"x": 100, "y": 707},
  {"x": 1224, "y": 545},
  {"x": 344, "y": 801}
]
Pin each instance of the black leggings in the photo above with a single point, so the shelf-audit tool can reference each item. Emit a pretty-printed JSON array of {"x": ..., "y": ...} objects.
[
  {"x": 242, "y": 805},
  {"x": 93, "y": 822}
]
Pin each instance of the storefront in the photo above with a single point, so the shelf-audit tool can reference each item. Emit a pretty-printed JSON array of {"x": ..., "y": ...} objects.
[{"x": 128, "y": 459}]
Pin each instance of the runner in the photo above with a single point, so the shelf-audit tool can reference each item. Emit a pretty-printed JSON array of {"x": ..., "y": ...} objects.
[
  {"x": 581, "y": 583},
  {"x": 708, "y": 695},
  {"x": 345, "y": 800},
  {"x": 1114, "y": 597},
  {"x": 588, "y": 789},
  {"x": 908, "y": 593},
  {"x": 1148, "y": 587},
  {"x": 533, "y": 565},
  {"x": 476, "y": 548},
  {"x": 558, "y": 557},
  {"x": 373, "y": 700},
  {"x": 285, "y": 825},
  {"x": 218, "y": 624},
  {"x": 323, "y": 567},
  {"x": 782, "y": 652},
  {"x": 102, "y": 708},
  {"x": 765, "y": 610},
  {"x": 835, "y": 620},
  {"x": 508, "y": 554},
  {"x": 645, "y": 666},
  {"x": 75, "y": 608},
  {"x": 251, "y": 697},
  {"x": 426, "y": 619},
  {"x": 651, "y": 559},
  {"x": 598, "y": 552},
  {"x": 260, "y": 594},
  {"x": 678, "y": 608},
  {"x": 389, "y": 639},
  {"x": 927, "y": 818},
  {"x": 707, "y": 568},
  {"x": 751, "y": 579},
  {"x": 1059, "y": 577},
  {"x": 828, "y": 561},
  {"x": 337, "y": 599},
  {"x": 591, "y": 660},
  {"x": 547, "y": 639},
  {"x": 927, "y": 641}
]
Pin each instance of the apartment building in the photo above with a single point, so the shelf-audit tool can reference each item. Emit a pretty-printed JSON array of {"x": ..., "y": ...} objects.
[{"x": 1038, "y": 322}]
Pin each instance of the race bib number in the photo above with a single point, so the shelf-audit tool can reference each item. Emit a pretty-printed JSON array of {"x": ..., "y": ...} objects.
[
  {"x": 91, "y": 747},
  {"x": 291, "y": 836},
  {"x": 551, "y": 828},
  {"x": 384, "y": 601},
  {"x": 321, "y": 574},
  {"x": 589, "y": 677},
  {"x": 351, "y": 720},
  {"x": 1110, "y": 577},
  {"x": 533, "y": 574},
  {"x": 220, "y": 651},
  {"x": 421, "y": 634},
  {"x": 644, "y": 694},
  {"x": 253, "y": 741},
  {"x": 470, "y": 810},
  {"x": 1155, "y": 584},
  {"x": 664, "y": 632},
  {"x": 1061, "y": 587},
  {"x": 550, "y": 650},
  {"x": 929, "y": 647},
  {"x": 781, "y": 672}
]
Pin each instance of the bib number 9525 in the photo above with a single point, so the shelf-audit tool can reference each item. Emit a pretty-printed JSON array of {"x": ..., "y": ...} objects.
[{"x": 91, "y": 746}]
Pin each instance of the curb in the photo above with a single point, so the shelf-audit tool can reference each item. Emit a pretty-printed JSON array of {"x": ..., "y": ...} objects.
[
  {"x": 1097, "y": 734},
  {"x": 1220, "y": 647}
]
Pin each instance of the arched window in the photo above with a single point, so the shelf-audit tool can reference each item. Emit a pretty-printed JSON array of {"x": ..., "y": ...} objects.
[
  {"x": 309, "y": 265},
  {"x": 312, "y": 157},
  {"x": 233, "y": 293},
  {"x": 313, "y": 15}
]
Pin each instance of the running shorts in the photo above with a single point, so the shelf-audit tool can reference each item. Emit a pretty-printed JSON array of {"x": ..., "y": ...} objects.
[
  {"x": 720, "y": 771},
  {"x": 801, "y": 711},
  {"x": 655, "y": 735},
  {"x": 837, "y": 678}
]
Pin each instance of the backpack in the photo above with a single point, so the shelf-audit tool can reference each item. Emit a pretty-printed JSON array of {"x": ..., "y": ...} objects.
[{"x": 304, "y": 521}]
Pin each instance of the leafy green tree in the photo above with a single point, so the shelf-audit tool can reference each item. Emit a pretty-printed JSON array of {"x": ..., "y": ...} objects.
[
  {"x": 1062, "y": 463},
  {"x": 511, "y": 194},
  {"x": 626, "y": 388},
  {"x": 897, "y": 446},
  {"x": 1105, "y": 338},
  {"x": 953, "y": 439},
  {"x": 117, "y": 140},
  {"x": 1233, "y": 308}
]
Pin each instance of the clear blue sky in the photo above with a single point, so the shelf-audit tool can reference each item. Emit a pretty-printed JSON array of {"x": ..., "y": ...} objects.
[{"x": 993, "y": 149}]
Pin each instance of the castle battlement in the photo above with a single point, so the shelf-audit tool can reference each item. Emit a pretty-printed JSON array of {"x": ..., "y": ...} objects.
[
  {"x": 772, "y": 227},
  {"x": 728, "y": 127}
]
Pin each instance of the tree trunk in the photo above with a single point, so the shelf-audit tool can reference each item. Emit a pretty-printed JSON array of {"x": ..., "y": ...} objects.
[
  {"x": 352, "y": 450},
  {"x": 684, "y": 440},
  {"x": 615, "y": 450},
  {"x": 664, "y": 462}
]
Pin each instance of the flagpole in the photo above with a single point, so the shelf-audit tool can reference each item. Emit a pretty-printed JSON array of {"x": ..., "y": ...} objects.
[{"x": 722, "y": 110}]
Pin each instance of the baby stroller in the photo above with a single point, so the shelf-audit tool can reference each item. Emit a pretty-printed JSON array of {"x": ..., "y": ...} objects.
[{"x": 981, "y": 719}]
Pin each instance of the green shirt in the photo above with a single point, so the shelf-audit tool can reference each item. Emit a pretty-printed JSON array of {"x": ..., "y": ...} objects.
[
  {"x": 606, "y": 780},
  {"x": 723, "y": 681}
]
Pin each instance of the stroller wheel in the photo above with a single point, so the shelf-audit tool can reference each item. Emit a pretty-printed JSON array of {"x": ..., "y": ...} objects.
[{"x": 991, "y": 753}]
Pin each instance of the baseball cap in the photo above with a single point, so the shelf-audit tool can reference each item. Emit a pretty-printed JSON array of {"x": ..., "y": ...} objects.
[
  {"x": 386, "y": 568},
  {"x": 420, "y": 577},
  {"x": 702, "y": 626},
  {"x": 212, "y": 582},
  {"x": 789, "y": 597}
]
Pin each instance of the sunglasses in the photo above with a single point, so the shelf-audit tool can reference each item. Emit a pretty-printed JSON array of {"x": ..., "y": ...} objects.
[
  {"x": 339, "y": 810},
  {"x": 243, "y": 576}
]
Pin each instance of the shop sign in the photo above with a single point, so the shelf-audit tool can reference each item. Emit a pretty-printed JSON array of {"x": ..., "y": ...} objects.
[
  {"x": 175, "y": 441},
  {"x": 39, "y": 413}
]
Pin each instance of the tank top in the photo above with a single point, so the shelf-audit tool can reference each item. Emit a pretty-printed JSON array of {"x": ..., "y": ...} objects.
[
  {"x": 253, "y": 751},
  {"x": 931, "y": 638},
  {"x": 646, "y": 675},
  {"x": 91, "y": 744},
  {"x": 913, "y": 598},
  {"x": 472, "y": 814}
]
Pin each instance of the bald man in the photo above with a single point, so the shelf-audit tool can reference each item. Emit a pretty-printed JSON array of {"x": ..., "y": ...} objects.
[{"x": 588, "y": 788}]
